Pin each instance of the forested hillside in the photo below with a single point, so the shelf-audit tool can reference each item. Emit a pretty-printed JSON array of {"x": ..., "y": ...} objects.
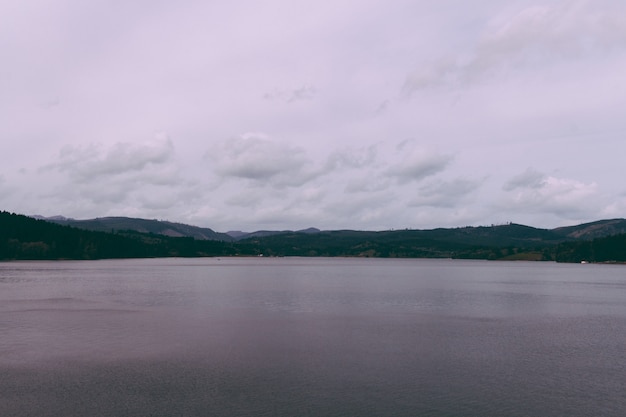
[
  {"x": 606, "y": 249},
  {"x": 23, "y": 237},
  {"x": 125, "y": 224}
]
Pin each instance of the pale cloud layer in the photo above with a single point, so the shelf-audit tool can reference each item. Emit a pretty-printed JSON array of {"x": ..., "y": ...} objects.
[{"x": 284, "y": 115}]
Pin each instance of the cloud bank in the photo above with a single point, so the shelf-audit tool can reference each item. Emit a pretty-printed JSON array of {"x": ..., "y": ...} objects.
[{"x": 364, "y": 115}]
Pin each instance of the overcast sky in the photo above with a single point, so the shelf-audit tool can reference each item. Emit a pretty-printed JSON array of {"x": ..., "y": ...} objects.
[{"x": 362, "y": 114}]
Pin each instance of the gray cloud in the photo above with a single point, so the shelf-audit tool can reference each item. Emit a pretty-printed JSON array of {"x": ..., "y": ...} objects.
[
  {"x": 50, "y": 103},
  {"x": 304, "y": 92},
  {"x": 368, "y": 208},
  {"x": 265, "y": 162},
  {"x": 4, "y": 188},
  {"x": 495, "y": 87},
  {"x": 143, "y": 176},
  {"x": 366, "y": 184},
  {"x": 248, "y": 199},
  {"x": 530, "y": 178},
  {"x": 87, "y": 163},
  {"x": 445, "y": 193},
  {"x": 534, "y": 37},
  {"x": 417, "y": 164},
  {"x": 352, "y": 158},
  {"x": 382, "y": 108},
  {"x": 275, "y": 216}
]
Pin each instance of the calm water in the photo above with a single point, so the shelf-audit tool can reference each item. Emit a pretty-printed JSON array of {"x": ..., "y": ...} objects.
[{"x": 311, "y": 337}]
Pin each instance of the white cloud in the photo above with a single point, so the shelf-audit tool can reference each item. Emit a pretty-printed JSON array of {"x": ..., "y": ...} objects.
[
  {"x": 616, "y": 207},
  {"x": 533, "y": 192}
]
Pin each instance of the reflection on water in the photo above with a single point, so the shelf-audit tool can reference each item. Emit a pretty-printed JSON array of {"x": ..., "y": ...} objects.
[{"x": 299, "y": 336}]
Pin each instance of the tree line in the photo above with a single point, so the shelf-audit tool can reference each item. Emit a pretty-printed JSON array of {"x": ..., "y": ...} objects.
[{"x": 25, "y": 238}]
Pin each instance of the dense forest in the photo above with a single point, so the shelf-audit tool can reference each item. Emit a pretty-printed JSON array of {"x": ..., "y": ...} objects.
[
  {"x": 26, "y": 238},
  {"x": 607, "y": 250},
  {"x": 22, "y": 237}
]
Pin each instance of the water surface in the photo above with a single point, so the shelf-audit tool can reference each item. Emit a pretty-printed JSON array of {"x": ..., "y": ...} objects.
[{"x": 311, "y": 336}]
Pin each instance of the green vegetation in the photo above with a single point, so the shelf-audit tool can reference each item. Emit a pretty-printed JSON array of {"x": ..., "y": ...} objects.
[
  {"x": 119, "y": 224},
  {"x": 23, "y": 237},
  {"x": 463, "y": 243},
  {"x": 610, "y": 249}
]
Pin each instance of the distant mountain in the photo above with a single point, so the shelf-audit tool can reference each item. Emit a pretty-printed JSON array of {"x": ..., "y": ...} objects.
[
  {"x": 310, "y": 230},
  {"x": 238, "y": 235},
  {"x": 593, "y": 230},
  {"x": 487, "y": 242},
  {"x": 23, "y": 237},
  {"x": 162, "y": 227},
  {"x": 39, "y": 217},
  {"x": 159, "y": 227},
  {"x": 497, "y": 235}
]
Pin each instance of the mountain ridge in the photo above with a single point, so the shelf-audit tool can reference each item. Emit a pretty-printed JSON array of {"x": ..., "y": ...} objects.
[
  {"x": 23, "y": 237},
  {"x": 591, "y": 230},
  {"x": 161, "y": 227},
  {"x": 510, "y": 232},
  {"x": 121, "y": 223}
]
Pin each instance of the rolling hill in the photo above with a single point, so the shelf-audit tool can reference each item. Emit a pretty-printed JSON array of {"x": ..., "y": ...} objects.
[
  {"x": 23, "y": 237},
  {"x": 159, "y": 227},
  {"x": 593, "y": 230}
]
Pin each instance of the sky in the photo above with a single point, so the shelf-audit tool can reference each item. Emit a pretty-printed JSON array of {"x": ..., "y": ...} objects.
[{"x": 350, "y": 114}]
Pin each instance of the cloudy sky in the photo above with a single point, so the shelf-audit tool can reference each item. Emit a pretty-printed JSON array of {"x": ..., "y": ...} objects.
[{"x": 271, "y": 114}]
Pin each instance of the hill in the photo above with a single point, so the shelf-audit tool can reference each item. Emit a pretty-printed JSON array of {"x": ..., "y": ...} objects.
[
  {"x": 493, "y": 242},
  {"x": 239, "y": 235},
  {"x": 593, "y": 230},
  {"x": 22, "y": 237},
  {"x": 610, "y": 249},
  {"x": 159, "y": 227},
  {"x": 515, "y": 235}
]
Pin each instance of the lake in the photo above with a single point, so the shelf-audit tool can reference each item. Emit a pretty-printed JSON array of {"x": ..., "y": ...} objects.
[{"x": 311, "y": 337}]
